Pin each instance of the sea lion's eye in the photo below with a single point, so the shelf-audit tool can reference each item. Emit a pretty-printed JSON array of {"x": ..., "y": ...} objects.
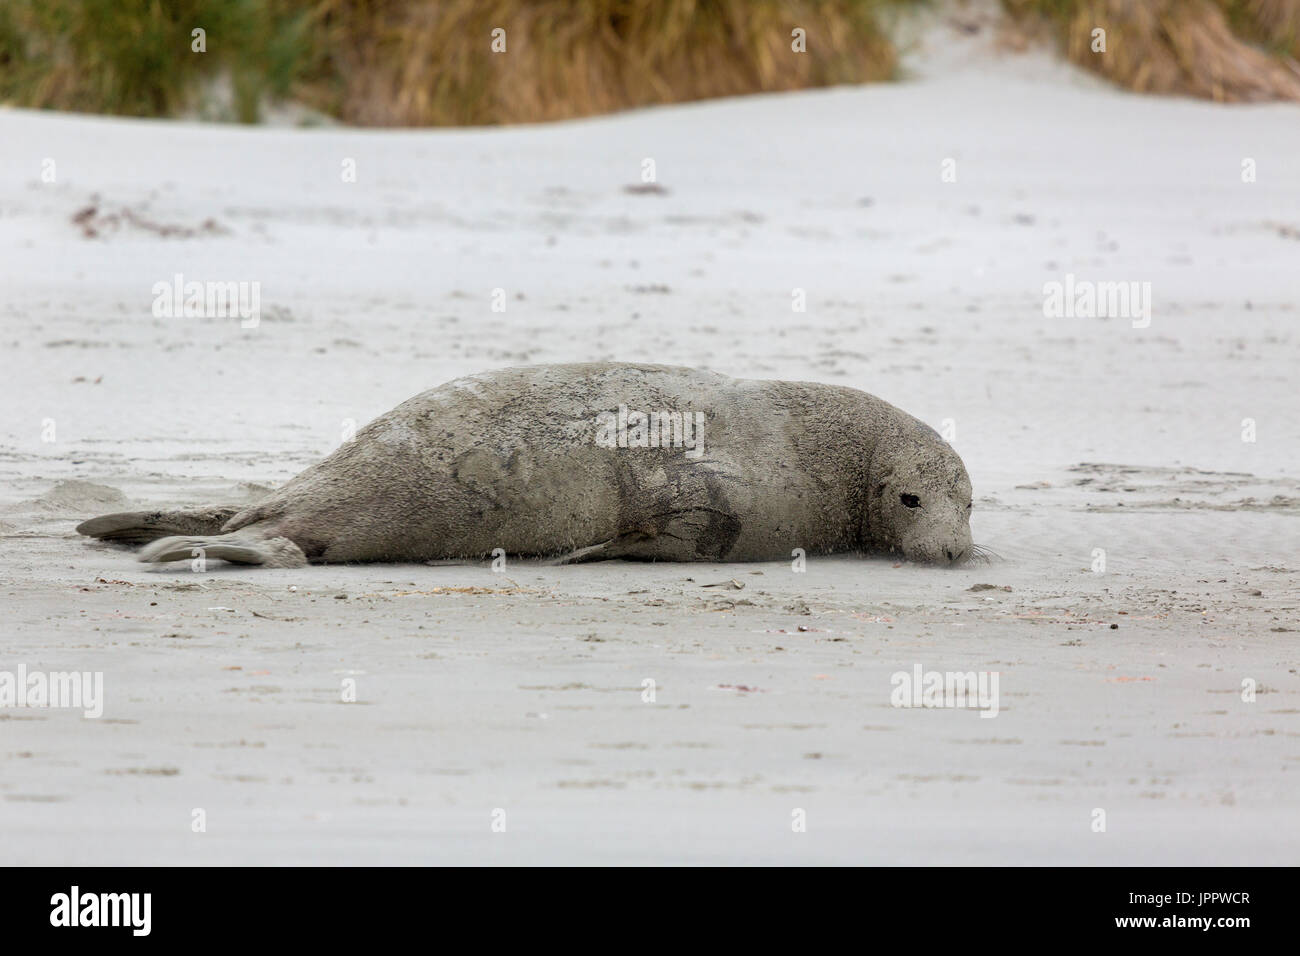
[{"x": 910, "y": 501}]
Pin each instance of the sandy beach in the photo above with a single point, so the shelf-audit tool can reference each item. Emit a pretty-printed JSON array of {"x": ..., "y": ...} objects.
[{"x": 519, "y": 698}]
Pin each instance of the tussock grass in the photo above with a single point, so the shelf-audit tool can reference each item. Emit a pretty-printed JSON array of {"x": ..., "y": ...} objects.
[
  {"x": 430, "y": 62},
  {"x": 1275, "y": 24},
  {"x": 134, "y": 57},
  {"x": 1204, "y": 48}
]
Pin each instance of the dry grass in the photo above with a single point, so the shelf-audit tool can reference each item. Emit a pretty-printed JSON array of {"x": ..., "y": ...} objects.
[
  {"x": 1182, "y": 46},
  {"x": 431, "y": 63},
  {"x": 1272, "y": 23}
]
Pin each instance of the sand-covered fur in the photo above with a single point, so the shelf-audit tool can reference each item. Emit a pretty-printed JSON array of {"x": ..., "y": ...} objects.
[{"x": 604, "y": 460}]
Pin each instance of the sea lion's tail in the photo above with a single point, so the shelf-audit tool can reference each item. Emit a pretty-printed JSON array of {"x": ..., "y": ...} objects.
[
  {"x": 141, "y": 527},
  {"x": 238, "y": 547}
]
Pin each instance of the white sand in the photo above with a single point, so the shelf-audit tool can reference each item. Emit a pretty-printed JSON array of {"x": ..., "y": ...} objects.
[{"x": 223, "y": 689}]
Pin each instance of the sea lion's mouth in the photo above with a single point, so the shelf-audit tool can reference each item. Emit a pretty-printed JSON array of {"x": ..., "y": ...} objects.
[{"x": 974, "y": 554}]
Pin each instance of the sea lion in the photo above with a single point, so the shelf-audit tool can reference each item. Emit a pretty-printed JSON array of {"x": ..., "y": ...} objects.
[{"x": 597, "y": 461}]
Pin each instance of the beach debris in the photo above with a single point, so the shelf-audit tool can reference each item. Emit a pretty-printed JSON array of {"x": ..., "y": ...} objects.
[
  {"x": 96, "y": 220},
  {"x": 732, "y": 585}
]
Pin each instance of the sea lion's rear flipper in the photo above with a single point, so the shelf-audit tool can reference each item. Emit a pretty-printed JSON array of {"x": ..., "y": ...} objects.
[
  {"x": 141, "y": 527},
  {"x": 238, "y": 547}
]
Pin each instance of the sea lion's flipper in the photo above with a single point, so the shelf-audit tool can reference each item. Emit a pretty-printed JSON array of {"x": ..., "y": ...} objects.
[
  {"x": 685, "y": 534},
  {"x": 140, "y": 527},
  {"x": 605, "y": 551},
  {"x": 238, "y": 547}
]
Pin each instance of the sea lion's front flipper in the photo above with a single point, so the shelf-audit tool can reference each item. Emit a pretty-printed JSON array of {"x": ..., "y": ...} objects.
[
  {"x": 700, "y": 533},
  {"x": 685, "y": 534},
  {"x": 238, "y": 547},
  {"x": 605, "y": 551}
]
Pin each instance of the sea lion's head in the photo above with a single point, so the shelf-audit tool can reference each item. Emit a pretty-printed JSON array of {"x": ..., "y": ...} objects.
[{"x": 920, "y": 497}]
